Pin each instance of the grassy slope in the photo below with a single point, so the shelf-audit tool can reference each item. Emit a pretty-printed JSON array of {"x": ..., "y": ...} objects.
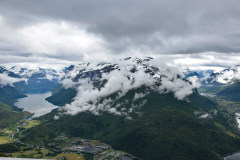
[
  {"x": 61, "y": 96},
  {"x": 231, "y": 92},
  {"x": 9, "y": 95},
  {"x": 8, "y": 116},
  {"x": 168, "y": 129},
  {"x": 211, "y": 89}
]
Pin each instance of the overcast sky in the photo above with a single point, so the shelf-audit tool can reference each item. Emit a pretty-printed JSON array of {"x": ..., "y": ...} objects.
[{"x": 194, "y": 33}]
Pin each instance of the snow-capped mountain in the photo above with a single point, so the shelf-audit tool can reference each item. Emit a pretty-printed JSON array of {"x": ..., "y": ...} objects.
[
  {"x": 228, "y": 75},
  {"x": 22, "y": 72},
  {"x": 95, "y": 71},
  {"x": 135, "y": 101},
  {"x": 225, "y": 83},
  {"x": 28, "y": 79},
  {"x": 92, "y": 81},
  {"x": 208, "y": 77}
]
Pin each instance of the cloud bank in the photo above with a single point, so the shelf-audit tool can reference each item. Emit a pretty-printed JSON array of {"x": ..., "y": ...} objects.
[
  {"x": 180, "y": 32},
  {"x": 229, "y": 75},
  {"x": 126, "y": 75},
  {"x": 5, "y": 80}
]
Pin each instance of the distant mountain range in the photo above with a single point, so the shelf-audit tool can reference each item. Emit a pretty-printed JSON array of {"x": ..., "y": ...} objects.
[
  {"x": 224, "y": 83},
  {"x": 153, "y": 112},
  {"x": 128, "y": 73},
  {"x": 135, "y": 105},
  {"x": 16, "y": 81},
  {"x": 224, "y": 76}
]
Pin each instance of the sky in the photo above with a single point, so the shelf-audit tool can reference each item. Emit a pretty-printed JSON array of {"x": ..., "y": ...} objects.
[{"x": 199, "y": 34}]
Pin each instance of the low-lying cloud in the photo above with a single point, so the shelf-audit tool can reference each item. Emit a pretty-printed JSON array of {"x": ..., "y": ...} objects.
[
  {"x": 227, "y": 76},
  {"x": 120, "y": 81},
  {"x": 5, "y": 80}
]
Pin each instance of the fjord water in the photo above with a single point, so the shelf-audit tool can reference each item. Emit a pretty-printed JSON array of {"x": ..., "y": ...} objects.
[
  {"x": 235, "y": 156},
  {"x": 36, "y": 103}
]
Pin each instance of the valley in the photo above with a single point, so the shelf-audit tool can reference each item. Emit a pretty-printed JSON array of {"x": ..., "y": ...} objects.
[
  {"x": 119, "y": 80},
  {"x": 33, "y": 103},
  {"x": 151, "y": 113},
  {"x": 61, "y": 146},
  {"x": 11, "y": 144}
]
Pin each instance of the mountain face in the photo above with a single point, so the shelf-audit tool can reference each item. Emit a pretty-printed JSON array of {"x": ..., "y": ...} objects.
[
  {"x": 15, "y": 82},
  {"x": 151, "y": 112},
  {"x": 224, "y": 83},
  {"x": 135, "y": 105},
  {"x": 126, "y": 74},
  {"x": 28, "y": 80},
  {"x": 9, "y": 95},
  {"x": 230, "y": 92},
  {"x": 22, "y": 72},
  {"x": 226, "y": 76},
  {"x": 10, "y": 117}
]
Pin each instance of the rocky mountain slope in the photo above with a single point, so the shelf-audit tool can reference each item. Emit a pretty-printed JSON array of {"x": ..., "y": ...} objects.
[
  {"x": 16, "y": 81},
  {"x": 134, "y": 105},
  {"x": 27, "y": 79},
  {"x": 223, "y": 83}
]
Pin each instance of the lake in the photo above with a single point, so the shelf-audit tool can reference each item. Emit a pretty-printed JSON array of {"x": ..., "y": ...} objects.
[
  {"x": 235, "y": 156},
  {"x": 36, "y": 103}
]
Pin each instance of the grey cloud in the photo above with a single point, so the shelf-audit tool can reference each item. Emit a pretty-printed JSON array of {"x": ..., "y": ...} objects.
[{"x": 147, "y": 26}]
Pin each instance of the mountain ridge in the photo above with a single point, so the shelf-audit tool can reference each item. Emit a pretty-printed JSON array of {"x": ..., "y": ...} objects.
[{"x": 145, "y": 119}]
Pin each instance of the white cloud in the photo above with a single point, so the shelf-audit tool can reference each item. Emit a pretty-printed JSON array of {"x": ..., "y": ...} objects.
[
  {"x": 180, "y": 88},
  {"x": 138, "y": 96},
  {"x": 122, "y": 80},
  {"x": 5, "y": 80},
  {"x": 205, "y": 115},
  {"x": 227, "y": 76},
  {"x": 56, "y": 117},
  {"x": 52, "y": 39},
  {"x": 195, "y": 81},
  {"x": 60, "y": 37},
  {"x": 68, "y": 83}
]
